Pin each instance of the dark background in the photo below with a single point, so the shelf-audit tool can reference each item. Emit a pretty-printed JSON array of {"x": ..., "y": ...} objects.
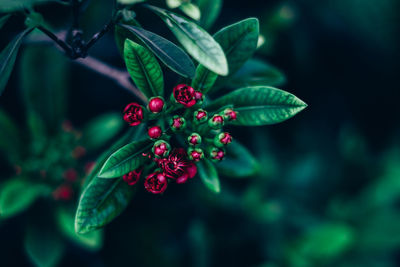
[{"x": 340, "y": 57}]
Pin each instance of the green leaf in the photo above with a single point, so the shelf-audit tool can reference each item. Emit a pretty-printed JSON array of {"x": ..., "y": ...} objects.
[
  {"x": 197, "y": 42},
  {"x": 8, "y": 57},
  {"x": 101, "y": 130},
  {"x": 45, "y": 82},
  {"x": 125, "y": 159},
  {"x": 17, "y": 194},
  {"x": 9, "y": 138},
  {"x": 43, "y": 246},
  {"x": 130, "y": 2},
  {"x": 135, "y": 132},
  {"x": 170, "y": 54},
  {"x": 100, "y": 203},
  {"x": 144, "y": 69},
  {"x": 174, "y": 3},
  {"x": 260, "y": 105},
  {"x": 257, "y": 72},
  {"x": 15, "y": 5},
  {"x": 239, "y": 41},
  {"x": 121, "y": 34},
  {"x": 209, "y": 175},
  {"x": 191, "y": 10},
  {"x": 209, "y": 10},
  {"x": 239, "y": 162},
  {"x": 65, "y": 219},
  {"x": 4, "y": 19}
]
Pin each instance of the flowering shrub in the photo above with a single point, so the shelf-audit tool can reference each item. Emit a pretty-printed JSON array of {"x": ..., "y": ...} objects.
[{"x": 185, "y": 134}]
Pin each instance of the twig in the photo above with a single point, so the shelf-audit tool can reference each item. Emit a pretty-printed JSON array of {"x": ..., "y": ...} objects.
[
  {"x": 119, "y": 76},
  {"x": 56, "y": 39},
  {"x": 98, "y": 35}
]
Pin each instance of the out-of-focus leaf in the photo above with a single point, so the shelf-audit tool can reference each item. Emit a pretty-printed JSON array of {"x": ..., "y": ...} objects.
[
  {"x": 8, "y": 57},
  {"x": 38, "y": 132},
  {"x": 209, "y": 10},
  {"x": 17, "y": 194},
  {"x": 170, "y": 54},
  {"x": 260, "y": 105},
  {"x": 326, "y": 242},
  {"x": 4, "y": 19},
  {"x": 239, "y": 41},
  {"x": 9, "y": 138},
  {"x": 191, "y": 10},
  {"x": 43, "y": 246},
  {"x": 126, "y": 159},
  {"x": 130, "y": 2},
  {"x": 44, "y": 82},
  {"x": 101, "y": 202},
  {"x": 15, "y": 5},
  {"x": 209, "y": 175},
  {"x": 174, "y": 3},
  {"x": 144, "y": 69},
  {"x": 66, "y": 222},
  {"x": 101, "y": 130},
  {"x": 197, "y": 42},
  {"x": 239, "y": 162},
  {"x": 256, "y": 72}
]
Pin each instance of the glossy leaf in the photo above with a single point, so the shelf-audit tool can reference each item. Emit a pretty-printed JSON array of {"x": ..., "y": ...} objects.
[
  {"x": 126, "y": 159},
  {"x": 17, "y": 194},
  {"x": 101, "y": 130},
  {"x": 66, "y": 222},
  {"x": 239, "y": 41},
  {"x": 170, "y": 54},
  {"x": 144, "y": 69},
  {"x": 121, "y": 34},
  {"x": 239, "y": 162},
  {"x": 8, "y": 57},
  {"x": 197, "y": 42},
  {"x": 135, "y": 132},
  {"x": 100, "y": 203},
  {"x": 43, "y": 246},
  {"x": 45, "y": 82},
  {"x": 130, "y": 2},
  {"x": 15, "y": 5},
  {"x": 209, "y": 175},
  {"x": 260, "y": 105},
  {"x": 209, "y": 10},
  {"x": 256, "y": 72},
  {"x": 191, "y": 10}
]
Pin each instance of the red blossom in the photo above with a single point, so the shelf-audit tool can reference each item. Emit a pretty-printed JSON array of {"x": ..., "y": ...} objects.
[
  {"x": 156, "y": 183},
  {"x": 154, "y": 132},
  {"x": 132, "y": 177},
  {"x": 185, "y": 95},
  {"x": 133, "y": 114},
  {"x": 156, "y": 104}
]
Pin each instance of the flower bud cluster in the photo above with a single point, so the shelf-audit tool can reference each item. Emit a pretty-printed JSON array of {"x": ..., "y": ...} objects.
[{"x": 201, "y": 130}]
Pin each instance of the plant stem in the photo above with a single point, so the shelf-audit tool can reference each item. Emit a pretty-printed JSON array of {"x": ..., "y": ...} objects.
[
  {"x": 61, "y": 43},
  {"x": 98, "y": 35},
  {"x": 119, "y": 76}
]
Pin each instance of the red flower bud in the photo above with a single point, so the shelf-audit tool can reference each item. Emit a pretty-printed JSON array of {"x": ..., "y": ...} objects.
[
  {"x": 198, "y": 96},
  {"x": 177, "y": 123},
  {"x": 70, "y": 175},
  {"x": 230, "y": 114},
  {"x": 63, "y": 192},
  {"x": 154, "y": 132},
  {"x": 217, "y": 154},
  {"x": 195, "y": 154},
  {"x": 156, "y": 183},
  {"x": 132, "y": 177},
  {"x": 194, "y": 139},
  {"x": 185, "y": 95},
  {"x": 161, "y": 149},
  {"x": 133, "y": 114},
  {"x": 223, "y": 139},
  {"x": 200, "y": 116},
  {"x": 78, "y": 152},
  {"x": 216, "y": 122},
  {"x": 156, "y": 104}
]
